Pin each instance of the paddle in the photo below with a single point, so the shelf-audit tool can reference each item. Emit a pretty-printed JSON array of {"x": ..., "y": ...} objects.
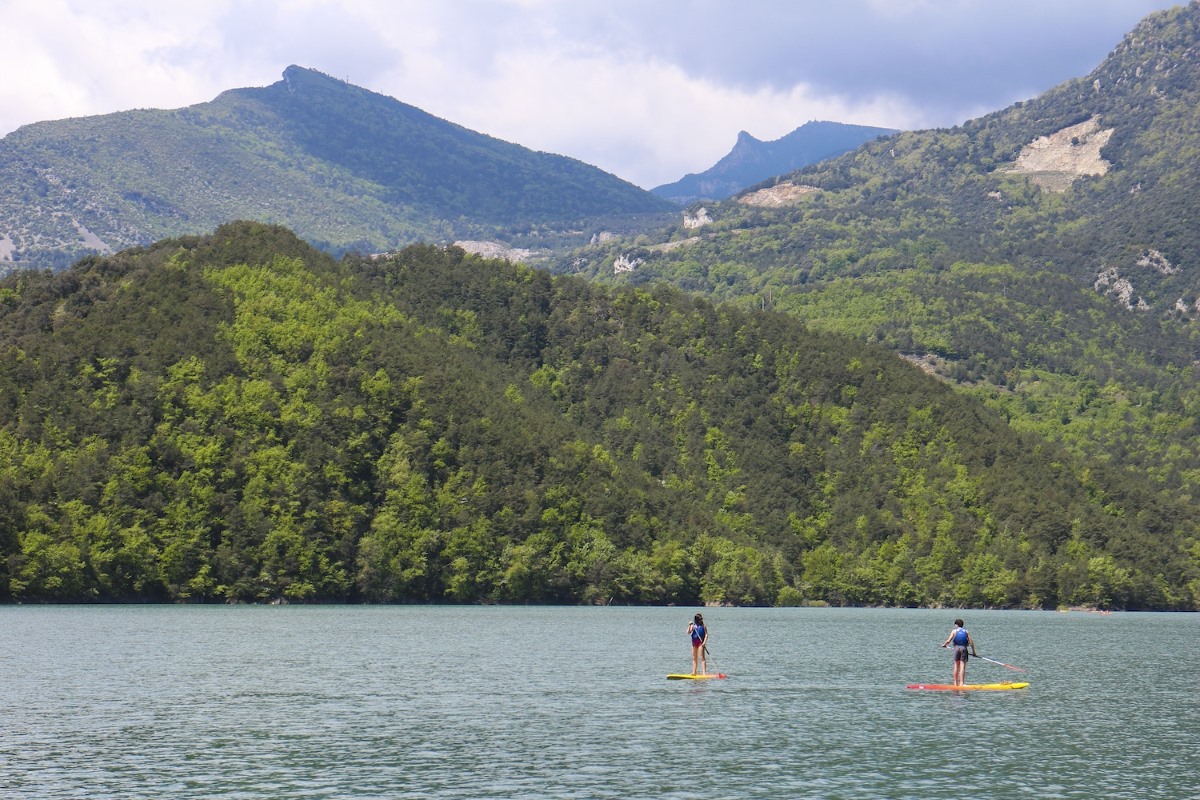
[{"x": 1001, "y": 663}]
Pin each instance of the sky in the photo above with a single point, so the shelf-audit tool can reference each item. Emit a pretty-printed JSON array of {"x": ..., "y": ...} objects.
[{"x": 648, "y": 90}]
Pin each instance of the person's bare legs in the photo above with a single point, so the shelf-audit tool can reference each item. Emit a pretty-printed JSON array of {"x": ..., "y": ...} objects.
[{"x": 960, "y": 672}]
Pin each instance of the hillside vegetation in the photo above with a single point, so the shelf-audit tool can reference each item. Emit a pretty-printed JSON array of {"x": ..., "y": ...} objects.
[
  {"x": 346, "y": 168},
  {"x": 1042, "y": 258},
  {"x": 239, "y": 417}
]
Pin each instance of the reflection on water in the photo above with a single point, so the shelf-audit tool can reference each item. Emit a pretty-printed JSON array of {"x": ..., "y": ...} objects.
[{"x": 490, "y": 702}]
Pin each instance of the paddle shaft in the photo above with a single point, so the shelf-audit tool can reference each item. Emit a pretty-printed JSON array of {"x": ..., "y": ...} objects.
[
  {"x": 1000, "y": 663},
  {"x": 993, "y": 661}
]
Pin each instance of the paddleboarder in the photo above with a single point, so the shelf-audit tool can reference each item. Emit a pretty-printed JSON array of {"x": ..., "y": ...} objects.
[
  {"x": 961, "y": 639},
  {"x": 698, "y": 632}
]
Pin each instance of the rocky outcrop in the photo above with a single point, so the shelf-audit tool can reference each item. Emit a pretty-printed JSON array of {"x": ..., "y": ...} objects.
[
  {"x": 624, "y": 263},
  {"x": 697, "y": 219},
  {"x": 1111, "y": 282},
  {"x": 497, "y": 250},
  {"x": 781, "y": 194},
  {"x": 1056, "y": 161}
]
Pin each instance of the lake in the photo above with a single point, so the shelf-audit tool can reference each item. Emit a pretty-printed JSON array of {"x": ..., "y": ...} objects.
[{"x": 568, "y": 702}]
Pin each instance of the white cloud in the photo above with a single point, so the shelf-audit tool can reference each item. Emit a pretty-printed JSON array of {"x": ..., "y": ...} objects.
[
  {"x": 647, "y": 90},
  {"x": 655, "y": 123},
  {"x": 84, "y": 59}
]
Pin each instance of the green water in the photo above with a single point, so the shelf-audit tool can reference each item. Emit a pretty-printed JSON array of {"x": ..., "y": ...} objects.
[{"x": 487, "y": 702}]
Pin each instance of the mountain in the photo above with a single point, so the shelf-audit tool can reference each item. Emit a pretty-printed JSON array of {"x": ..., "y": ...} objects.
[
  {"x": 751, "y": 160},
  {"x": 344, "y": 167},
  {"x": 239, "y": 417},
  {"x": 1042, "y": 258}
]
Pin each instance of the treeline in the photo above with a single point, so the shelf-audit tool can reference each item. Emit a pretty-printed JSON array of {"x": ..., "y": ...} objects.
[{"x": 241, "y": 418}]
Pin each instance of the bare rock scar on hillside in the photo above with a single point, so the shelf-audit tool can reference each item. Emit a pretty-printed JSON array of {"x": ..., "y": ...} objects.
[
  {"x": 496, "y": 250},
  {"x": 1056, "y": 161},
  {"x": 781, "y": 194}
]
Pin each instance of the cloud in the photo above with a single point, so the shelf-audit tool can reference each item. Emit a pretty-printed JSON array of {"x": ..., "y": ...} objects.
[
  {"x": 647, "y": 90},
  {"x": 950, "y": 51},
  {"x": 655, "y": 123},
  {"x": 80, "y": 59}
]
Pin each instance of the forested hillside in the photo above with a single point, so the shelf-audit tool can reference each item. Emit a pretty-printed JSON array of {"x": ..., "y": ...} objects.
[
  {"x": 343, "y": 167},
  {"x": 239, "y": 417},
  {"x": 1042, "y": 258}
]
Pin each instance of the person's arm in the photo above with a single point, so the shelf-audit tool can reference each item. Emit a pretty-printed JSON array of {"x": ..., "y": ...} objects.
[
  {"x": 948, "y": 638},
  {"x": 971, "y": 641}
]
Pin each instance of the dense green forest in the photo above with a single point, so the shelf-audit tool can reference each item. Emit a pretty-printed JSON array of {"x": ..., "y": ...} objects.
[{"x": 239, "y": 417}]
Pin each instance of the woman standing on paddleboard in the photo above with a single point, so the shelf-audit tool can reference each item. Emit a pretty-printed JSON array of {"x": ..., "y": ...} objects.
[
  {"x": 699, "y": 633},
  {"x": 960, "y": 637}
]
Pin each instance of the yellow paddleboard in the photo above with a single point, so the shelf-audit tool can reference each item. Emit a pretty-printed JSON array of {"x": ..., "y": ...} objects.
[{"x": 687, "y": 676}]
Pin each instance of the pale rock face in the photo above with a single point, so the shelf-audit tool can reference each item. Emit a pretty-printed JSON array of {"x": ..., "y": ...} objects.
[
  {"x": 496, "y": 250},
  {"x": 1157, "y": 261},
  {"x": 697, "y": 220},
  {"x": 1110, "y": 282},
  {"x": 626, "y": 264},
  {"x": 90, "y": 239},
  {"x": 781, "y": 194},
  {"x": 1054, "y": 162}
]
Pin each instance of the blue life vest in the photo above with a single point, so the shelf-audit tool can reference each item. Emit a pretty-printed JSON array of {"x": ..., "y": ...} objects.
[
  {"x": 697, "y": 633},
  {"x": 960, "y": 637}
]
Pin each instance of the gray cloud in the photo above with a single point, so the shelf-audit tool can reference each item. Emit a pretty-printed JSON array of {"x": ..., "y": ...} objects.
[
  {"x": 646, "y": 89},
  {"x": 946, "y": 57}
]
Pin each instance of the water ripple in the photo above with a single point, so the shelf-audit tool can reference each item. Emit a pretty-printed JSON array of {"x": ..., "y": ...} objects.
[{"x": 457, "y": 703}]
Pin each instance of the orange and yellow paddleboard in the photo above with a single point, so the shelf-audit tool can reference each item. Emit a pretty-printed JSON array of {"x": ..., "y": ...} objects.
[
  {"x": 968, "y": 687},
  {"x": 687, "y": 676}
]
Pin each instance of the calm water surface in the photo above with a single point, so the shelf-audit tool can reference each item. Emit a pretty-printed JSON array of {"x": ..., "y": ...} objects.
[{"x": 504, "y": 702}]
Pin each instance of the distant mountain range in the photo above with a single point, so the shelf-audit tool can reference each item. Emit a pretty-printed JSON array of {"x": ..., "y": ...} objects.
[
  {"x": 752, "y": 160},
  {"x": 343, "y": 167}
]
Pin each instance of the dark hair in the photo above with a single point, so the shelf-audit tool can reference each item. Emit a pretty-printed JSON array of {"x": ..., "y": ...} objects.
[
  {"x": 698, "y": 619},
  {"x": 958, "y": 622}
]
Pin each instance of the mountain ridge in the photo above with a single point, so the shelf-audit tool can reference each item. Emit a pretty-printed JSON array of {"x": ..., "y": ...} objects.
[
  {"x": 752, "y": 160},
  {"x": 345, "y": 167}
]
